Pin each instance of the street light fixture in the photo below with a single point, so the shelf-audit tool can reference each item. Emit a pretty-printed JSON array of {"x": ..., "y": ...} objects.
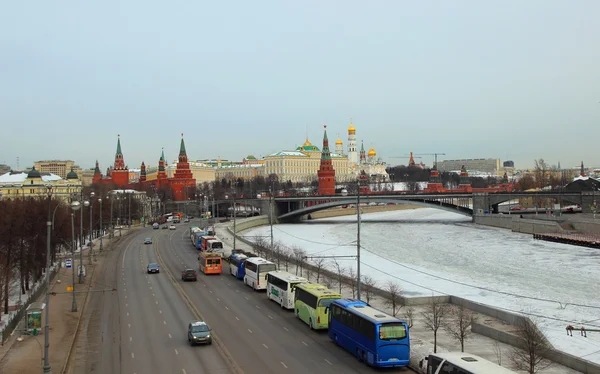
[
  {"x": 92, "y": 194},
  {"x": 47, "y": 368},
  {"x": 80, "y": 268},
  {"x": 101, "y": 227}
]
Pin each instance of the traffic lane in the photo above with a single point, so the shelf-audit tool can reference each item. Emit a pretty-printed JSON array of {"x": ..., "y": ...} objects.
[
  {"x": 142, "y": 338},
  {"x": 257, "y": 323},
  {"x": 316, "y": 344},
  {"x": 177, "y": 316},
  {"x": 226, "y": 326}
]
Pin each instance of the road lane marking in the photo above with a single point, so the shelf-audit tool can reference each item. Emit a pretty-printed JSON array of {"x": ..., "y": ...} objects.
[
  {"x": 154, "y": 295},
  {"x": 284, "y": 365},
  {"x": 160, "y": 311},
  {"x": 132, "y": 355},
  {"x": 157, "y": 302},
  {"x": 250, "y": 331},
  {"x": 270, "y": 316},
  {"x": 176, "y": 352},
  {"x": 227, "y": 308},
  {"x": 129, "y": 325},
  {"x": 304, "y": 343},
  {"x": 246, "y": 297},
  {"x": 150, "y": 287},
  {"x": 125, "y": 296},
  {"x": 257, "y": 307},
  {"x": 218, "y": 299},
  {"x": 183, "y": 371},
  {"x": 210, "y": 291},
  {"x": 130, "y": 339},
  {"x": 264, "y": 345},
  {"x": 237, "y": 318},
  {"x": 326, "y": 360},
  {"x": 237, "y": 290},
  {"x": 126, "y": 305},
  {"x": 165, "y": 322},
  {"x": 170, "y": 337},
  {"x": 229, "y": 284},
  {"x": 285, "y": 328},
  {"x": 127, "y": 314}
]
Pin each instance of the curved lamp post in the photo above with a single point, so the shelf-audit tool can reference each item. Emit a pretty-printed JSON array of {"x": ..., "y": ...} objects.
[
  {"x": 47, "y": 368},
  {"x": 75, "y": 205},
  {"x": 345, "y": 193}
]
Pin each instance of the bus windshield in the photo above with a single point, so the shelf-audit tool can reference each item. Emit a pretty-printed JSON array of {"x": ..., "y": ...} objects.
[
  {"x": 392, "y": 331},
  {"x": 324, "y": 302},
  {"x": 216, "y": 245}
]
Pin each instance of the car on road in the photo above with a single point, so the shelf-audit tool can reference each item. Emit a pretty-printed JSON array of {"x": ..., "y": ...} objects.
[
  {"x": 191, "y": 217},
  {"x": 189, "y": 274},
  {"x": 172, "y": 227},
  {"x": 199, "y": 333},
  {"x": 153, "y": 268},
  {"x": 148, "y": 241},
  {"x": 164, "y": 227},
  {"x": 186, "y": 220}
]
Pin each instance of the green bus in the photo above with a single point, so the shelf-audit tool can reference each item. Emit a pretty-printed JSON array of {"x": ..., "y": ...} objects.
[{"x": 311, "y": 304}]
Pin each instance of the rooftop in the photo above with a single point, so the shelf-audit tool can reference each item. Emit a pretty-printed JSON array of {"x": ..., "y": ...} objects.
[{"x": 20, "y": 177}]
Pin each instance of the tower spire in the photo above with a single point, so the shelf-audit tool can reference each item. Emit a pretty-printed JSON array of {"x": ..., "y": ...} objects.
[
  {"x": 182, "y": 152},
  {"x": 119, "y": 153},
  {"x": 326, "y": 172}
]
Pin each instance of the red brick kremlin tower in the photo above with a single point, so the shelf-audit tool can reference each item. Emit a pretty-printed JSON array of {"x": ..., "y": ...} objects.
[
  {"x": 183, "y": 182},
  {"x": 143, "y": 173},
  {"x": 326, "y": 172},
  {"x": 119, "y": 174},
  {"x": 162, "y": 173}
]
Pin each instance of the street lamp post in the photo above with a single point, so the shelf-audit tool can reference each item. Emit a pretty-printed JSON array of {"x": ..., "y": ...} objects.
[
  {"x": 111, "y": 224},
  {"x": 271, "y": 213},
  {"x": 345, "y": 193},
  {"x": 75, "y": 205},
  {"x": 47, "y": 368},
  {"x": 101, "y": 227},
  {"x": 129, "y": 209},
  {"x": 92, "y": 194},
  {"x": 80, "y": 267}
]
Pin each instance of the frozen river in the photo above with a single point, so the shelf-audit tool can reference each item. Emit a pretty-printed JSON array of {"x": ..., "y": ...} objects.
[{"x": 431, "y": 251}]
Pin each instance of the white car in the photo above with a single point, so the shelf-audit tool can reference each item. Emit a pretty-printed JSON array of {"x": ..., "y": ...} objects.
[{"x": 172, "y": 227}]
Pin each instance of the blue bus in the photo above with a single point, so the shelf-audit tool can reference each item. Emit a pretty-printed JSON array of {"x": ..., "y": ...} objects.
[
  {"x": 374, "y": 337},
  {"x": 196, "y": 239},
  {"x": 236, "y": 264}
]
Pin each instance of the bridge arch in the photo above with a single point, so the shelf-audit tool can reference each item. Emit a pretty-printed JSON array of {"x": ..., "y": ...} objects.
[{"x": 295, "y": 215}]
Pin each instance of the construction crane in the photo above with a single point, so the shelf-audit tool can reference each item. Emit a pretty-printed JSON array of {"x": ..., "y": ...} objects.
[
  {"x": 409, "y": 157},
  {"x": 434, "y": 155}
]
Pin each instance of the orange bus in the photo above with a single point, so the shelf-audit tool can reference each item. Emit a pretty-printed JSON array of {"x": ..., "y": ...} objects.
[{"x": 210, "y": 263}]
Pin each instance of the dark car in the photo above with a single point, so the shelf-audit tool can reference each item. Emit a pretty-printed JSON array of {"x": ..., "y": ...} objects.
[
  {"x": 153, "y": 268},
  {"x": 189, "y": 274},
  {"x": 164, "y": 227},
  {"x": 148, "y": 241},
  {"x": 199, "y": 333},
  {"x": 191, "y": 217}
]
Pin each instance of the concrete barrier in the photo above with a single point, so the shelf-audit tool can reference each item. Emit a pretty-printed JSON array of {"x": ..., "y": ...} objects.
[
  {"x": 586, "y": 227},
  {"x": 534, "y": 226},
  {"x": 503, "y": 221}
]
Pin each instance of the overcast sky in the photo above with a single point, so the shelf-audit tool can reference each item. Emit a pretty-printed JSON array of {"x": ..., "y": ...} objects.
[{"x": 514, "y": 80}]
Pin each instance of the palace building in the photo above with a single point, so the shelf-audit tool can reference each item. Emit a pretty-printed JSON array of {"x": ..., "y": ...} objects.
[{"x": 181, "y": 183}]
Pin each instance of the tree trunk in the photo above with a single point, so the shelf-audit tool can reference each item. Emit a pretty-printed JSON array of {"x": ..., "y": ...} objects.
[
  {"x": 435, "y": 342},
  {"x": 6, "y": 283},
  {"x": 462, "y": 345}
]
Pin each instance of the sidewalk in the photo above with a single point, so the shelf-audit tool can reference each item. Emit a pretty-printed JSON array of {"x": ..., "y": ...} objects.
[{"x": 24, "y": 353}]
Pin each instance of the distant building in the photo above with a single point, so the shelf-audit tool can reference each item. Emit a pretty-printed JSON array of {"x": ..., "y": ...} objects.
[
  {"x": 486, "y": 165},
  {"x": 57, "y": 167},
  {"x": 19, "y": 185},
  {"x": 508, "y": 164},
  {"x": 4, "y": 169}
]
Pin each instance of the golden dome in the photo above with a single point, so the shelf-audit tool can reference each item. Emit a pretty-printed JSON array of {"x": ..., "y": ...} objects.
[
  {"x": 307, "y": 143},
  {"x": 372, "y": 153},
  {"x": 339, "y": 141},
  {"x": 351, "y": 129}
]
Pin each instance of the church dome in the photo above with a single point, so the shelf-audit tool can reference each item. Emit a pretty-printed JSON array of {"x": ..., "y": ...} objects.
[
  {"x": 339, "y": 141},
  {"x": 372, "y": 153},
  {"x": 72, "y": 174},
  {"x": 34, "y": 173},
  {"x": 351, "y": 129},
  {"x": 307, "y": 143}
]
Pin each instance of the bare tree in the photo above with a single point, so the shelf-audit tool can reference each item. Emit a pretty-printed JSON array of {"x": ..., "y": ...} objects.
[
  {"x": 352, "y": 280},
  {"x": 498, "y": 352},
  {"x": 409, "y": 316},
  {"x": 319, "y": 263},
  {"x": 434, "y": 318},
  {"x": 459, "y": 325},
  {"x": 394, "y": 296},
  {"x": 534, "y": 348},
  {"x": 298, "y": 258},
  {"x": 286, "y": 254},
  {"x": 369, "y": 284},
  {"x": 277, "y": 252},
  {"x": 326, "y": 281},
  {"x": 340, "y": 274}
]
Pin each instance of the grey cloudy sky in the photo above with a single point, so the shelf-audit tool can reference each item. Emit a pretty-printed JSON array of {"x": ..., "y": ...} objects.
[{"x": 505, "y": 79}]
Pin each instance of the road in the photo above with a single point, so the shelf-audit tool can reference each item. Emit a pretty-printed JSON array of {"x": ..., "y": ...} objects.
[{"x": 143, "y": 327}]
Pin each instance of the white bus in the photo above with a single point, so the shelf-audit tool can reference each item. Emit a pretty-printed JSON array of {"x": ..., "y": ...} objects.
[
  {"x": 256, "y": 271},
  {"x": 281, "y": 286},
  {"x": 461, "y": 363}
]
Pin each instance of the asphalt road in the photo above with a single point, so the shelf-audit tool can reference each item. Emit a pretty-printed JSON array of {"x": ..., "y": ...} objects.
[{"x": 259, "y": 335}]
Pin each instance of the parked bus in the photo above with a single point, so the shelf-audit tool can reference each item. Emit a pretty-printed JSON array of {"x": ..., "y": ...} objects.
[
  {"x": 374, "y": 337},
  {"x": 214, "y": 245},
  {"x": 236, "y": 262},
  {"x": 281, "y": 286},
  {"x": 312, "y": 303},
  {"x": 256, "y": 269},
  {"x": 210, "y": 263},
  {"x": 461, "y": 362}
]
